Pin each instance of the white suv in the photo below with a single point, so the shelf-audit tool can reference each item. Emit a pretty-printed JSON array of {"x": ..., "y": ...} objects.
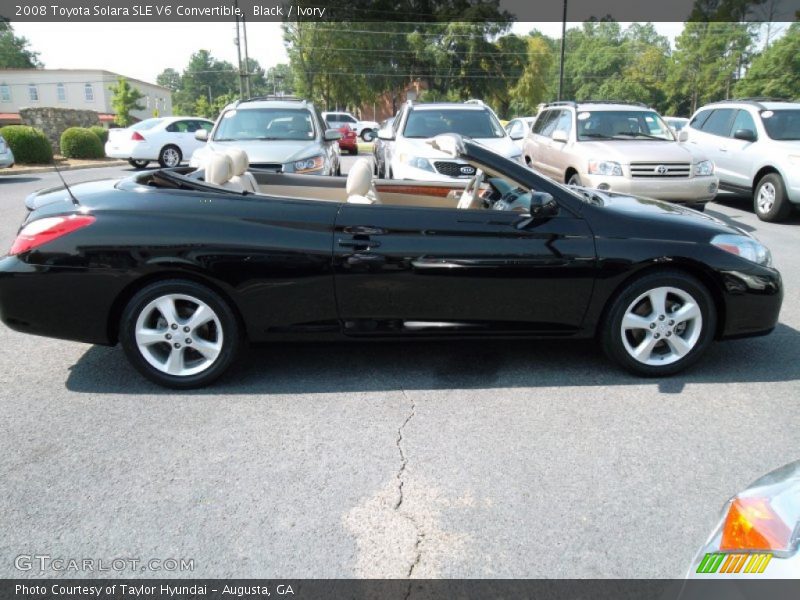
[
  {"x": 755, "y": 145},
  {"x": 366, "y": 130},
  {"x": 626, "y": 148},
  {"x": 409, "y": 155}
]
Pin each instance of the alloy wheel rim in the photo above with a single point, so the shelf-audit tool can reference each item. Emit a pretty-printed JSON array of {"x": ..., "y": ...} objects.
[
  {"x": 766, "y": 197},
  {"x": 179, "y": 335},
  {"x": 170, "y": 157},
  {"x": 661, "y": 326}
]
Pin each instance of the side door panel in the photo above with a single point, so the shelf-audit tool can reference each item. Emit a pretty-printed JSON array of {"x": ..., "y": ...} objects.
[{"x": 403, "y": 271}]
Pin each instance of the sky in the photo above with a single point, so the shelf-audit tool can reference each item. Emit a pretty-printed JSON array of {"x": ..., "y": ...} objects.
[{"x": 143, "y": 50}]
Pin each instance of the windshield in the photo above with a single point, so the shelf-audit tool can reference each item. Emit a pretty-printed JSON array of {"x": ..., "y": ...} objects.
[
  {"x": 782, "y": 124},
  {"x": 622, "y": 125},
  {"x": 465, "y": 122},
  {"x": 265, "y": 124},
  {"x": 146, "y": 124}
]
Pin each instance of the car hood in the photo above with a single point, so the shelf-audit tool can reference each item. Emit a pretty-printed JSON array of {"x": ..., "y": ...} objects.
[
  {"x": 263, "y": 151},
  {"x": 654, "y": 210},
  {"x": 422, "y": 147},
  {"x": 626, "y": 151}
]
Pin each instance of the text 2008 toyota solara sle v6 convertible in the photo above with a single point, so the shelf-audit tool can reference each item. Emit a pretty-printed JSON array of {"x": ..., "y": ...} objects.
[{"x": 183, "y": 267}]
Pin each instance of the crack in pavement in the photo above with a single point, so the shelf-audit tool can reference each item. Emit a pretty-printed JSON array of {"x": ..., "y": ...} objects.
[{"x": 401, "y": 482}]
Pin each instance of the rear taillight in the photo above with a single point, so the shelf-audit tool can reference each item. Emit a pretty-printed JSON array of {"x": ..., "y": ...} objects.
[
  {"x": 137, "y": 137},
  {"x": 46, "y": 230}
]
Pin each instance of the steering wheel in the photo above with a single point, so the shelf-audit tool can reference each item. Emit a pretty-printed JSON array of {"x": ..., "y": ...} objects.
[{"x": 472, "y": 190}]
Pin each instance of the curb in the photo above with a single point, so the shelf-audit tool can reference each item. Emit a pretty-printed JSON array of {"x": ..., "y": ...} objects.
[{"x": 49, "y": 168}]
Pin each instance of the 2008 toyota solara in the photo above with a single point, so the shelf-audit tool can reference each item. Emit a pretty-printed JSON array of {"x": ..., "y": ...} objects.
[{"x": 184, "y": 266}]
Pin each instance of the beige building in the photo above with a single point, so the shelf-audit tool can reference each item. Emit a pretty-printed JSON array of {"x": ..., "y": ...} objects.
[{"x": 84, "y": 89}]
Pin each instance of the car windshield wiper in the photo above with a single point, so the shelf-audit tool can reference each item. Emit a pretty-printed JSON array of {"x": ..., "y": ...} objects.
[
  {"x": 598, "y": 136},
  {"x": 640, "y": 134}
]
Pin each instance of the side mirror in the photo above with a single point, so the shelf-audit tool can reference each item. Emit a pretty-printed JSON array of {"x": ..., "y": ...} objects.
[
  {"x": 748, "y": 135},
  {"x": 683, "y": 136},
  {"x": 516, "y": 135},
  {"x": 201, "y": 135},
  {"x": 560, "y": 136},
  {"x": 331, "y": 135},
  {"x": 543, "y": 205},
  {"x": 385, "y": 134}
]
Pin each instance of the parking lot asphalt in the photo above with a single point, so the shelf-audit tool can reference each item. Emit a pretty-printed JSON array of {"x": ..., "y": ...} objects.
[{"x": 476, "y": 460}]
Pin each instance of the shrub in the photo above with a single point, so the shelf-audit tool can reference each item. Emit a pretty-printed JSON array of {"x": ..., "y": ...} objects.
[
  {"x": 79, "y": 142},
  {"x": 100, "y": 132},
  {"x": 29, "y": 145}
]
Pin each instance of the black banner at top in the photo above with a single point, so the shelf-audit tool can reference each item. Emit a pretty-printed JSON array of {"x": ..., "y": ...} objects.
[{"x": 399, "y": 10}]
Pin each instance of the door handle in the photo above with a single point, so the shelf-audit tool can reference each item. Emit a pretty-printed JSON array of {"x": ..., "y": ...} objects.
[
  {"x": 366, "y": 259},
  {"x": 359, "y": 243}
]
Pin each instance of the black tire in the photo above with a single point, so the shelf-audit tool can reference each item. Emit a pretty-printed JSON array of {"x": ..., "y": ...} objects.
[
  {"x": 354, "y": 151},
  {"x": 138, "y": 164},
  {"x": 574, "y": 179},
  {"x": 231, "y": 334},
  {"x": 368, "y": 135},
  {"x": 166, "y": 156},
  {"x": 612, "y": 335},
  {"x": 780, "y": 208}
]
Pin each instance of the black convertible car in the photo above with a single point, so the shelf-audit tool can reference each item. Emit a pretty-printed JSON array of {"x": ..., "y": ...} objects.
[{"x": 184, "y": 267}]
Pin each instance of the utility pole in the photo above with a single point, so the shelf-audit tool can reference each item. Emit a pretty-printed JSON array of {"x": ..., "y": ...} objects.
[
  {"x": 563, "y": 42},
  {"x": 246, "y": 59},
  {"x": 239, "y": 54}
]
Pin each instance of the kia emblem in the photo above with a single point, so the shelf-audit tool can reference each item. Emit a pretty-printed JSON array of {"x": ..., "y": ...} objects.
[{"x": 467, "y": 170}]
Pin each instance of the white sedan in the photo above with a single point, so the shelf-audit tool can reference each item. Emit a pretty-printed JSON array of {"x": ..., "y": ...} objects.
[{"x": 167, "y": 140}]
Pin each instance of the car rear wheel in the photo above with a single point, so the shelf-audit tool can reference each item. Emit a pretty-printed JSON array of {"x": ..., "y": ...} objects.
[
  {"x": 769, "y": 199},
  {"x": 138, "y": 164},
  {"x": 170, "y": 156},
  {"x": 574, "y": 179},
  {"x": 180, "y": 334},
  {"x": 659, "y": 324},
  {"x": 368, "y": 135}
]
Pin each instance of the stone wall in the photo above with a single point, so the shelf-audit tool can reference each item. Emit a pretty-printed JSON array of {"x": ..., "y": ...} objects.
[{"x": 53, "y": 121}]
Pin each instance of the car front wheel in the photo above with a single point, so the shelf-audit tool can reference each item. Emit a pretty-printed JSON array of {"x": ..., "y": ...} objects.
[
  {"x": 180, "y": 334},
  {"x": 659, "y": 324},
  {"x": 368, "y": 135},
  {"x": 170, "y": 156},
  {"x": 769, "y": 199}
]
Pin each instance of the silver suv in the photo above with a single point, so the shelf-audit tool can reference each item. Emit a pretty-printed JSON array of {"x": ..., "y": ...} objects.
[
  {"x": 626, "y": 148},
  {"x": 283, "y": 135},
  {"x": 755, "y": 145}
]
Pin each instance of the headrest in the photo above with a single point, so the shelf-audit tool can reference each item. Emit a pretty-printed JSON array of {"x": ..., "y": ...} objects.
[
  {"x": 359, "y": 178},
  {"x": 239, "y": 160},
  {"x": 219, "y": 169}
]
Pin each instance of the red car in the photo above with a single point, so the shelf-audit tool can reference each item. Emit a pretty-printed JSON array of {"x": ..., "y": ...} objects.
[{"x": 349, "y": 139}]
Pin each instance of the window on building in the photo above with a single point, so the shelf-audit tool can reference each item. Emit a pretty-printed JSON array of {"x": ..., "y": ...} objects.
[
  {"x": 5, "y": 92},
  {"x": 61, "y": 92},
  {"x": 33, "y": 92},
  {"x": 88, "y": 92}
]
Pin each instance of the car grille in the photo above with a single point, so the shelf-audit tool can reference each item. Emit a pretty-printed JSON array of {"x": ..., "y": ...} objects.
[
  {"x": 453, "y": 169},
  {"x": 267, "y": 166},
  {"x": 659, "y": 170}
]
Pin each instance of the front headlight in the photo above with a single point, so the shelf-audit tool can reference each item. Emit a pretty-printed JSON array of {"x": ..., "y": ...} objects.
[
  {"x": 417, "y": 162},
  {"x": 604, "y": 167},
  {"x": 744, "y": 246},
  {"x": 705, "y": 167},
  {"x": 314, "y": 163}
]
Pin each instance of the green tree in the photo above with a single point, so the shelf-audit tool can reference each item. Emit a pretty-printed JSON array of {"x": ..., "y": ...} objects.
[
  {"x": 776, "y": 71},
  {"x": 124, "y": 99},
  {"x": 14, "y": 50},
  {"x": 170, "y": 79},
  {"x": 204, "y": 76},
  {"x": 280, "y": 79},
  {"x": 534, "y": 85}
]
